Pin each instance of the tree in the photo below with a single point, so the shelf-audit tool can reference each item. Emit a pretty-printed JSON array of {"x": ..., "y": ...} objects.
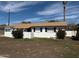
[
  {"x": 53, "y": 21},
  {"x": 25, "y": 22}
]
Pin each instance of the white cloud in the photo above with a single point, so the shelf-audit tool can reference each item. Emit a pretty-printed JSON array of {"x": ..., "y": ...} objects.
[
  {"x": 67, "y": 17},
  {"x": 57, "y": 8},
  {"x": 72, "y": 16},
  {"x": 16, "y": 6},
  {"x": 39, "y": 19},
  {"x": 35, "y": 19},
  {"x": 71, "y": 6},
  {"x": 74, "y": 10},
  {"x": 52, "y": 9},
  {"x": 49, "y": 12}
]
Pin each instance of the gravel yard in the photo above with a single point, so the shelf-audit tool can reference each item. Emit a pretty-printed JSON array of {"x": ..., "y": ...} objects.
[{"x": 38, "y": 48}]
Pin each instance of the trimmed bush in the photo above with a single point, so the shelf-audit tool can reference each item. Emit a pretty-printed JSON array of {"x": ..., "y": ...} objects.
[
  {"x": 17, "y": 34},
  {"x": 60, "y": 34},
  {"x": 77, "y": 35},
  {"x": 74, "y": 38}
]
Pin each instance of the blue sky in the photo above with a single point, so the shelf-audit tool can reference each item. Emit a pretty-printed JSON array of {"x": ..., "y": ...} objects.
[{"x": 38, "y": 11}]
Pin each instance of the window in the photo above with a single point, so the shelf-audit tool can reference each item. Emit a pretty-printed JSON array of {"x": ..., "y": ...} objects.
[
  {"x": 40, "y": 29},
  {"x": 29, "y": 30},
  {"x": 54, "y": 29},
  {"x": 25, "y": 30},
  {"x": 45, "y": 29},
  {"x": 34, "y": 29},
  {"x": 69, "y": 28},
  {"x": 7, "y": 30}
]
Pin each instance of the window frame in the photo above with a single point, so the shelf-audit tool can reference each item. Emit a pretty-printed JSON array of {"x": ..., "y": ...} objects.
[
  {"x": 34, "y": 29},
  {"x": 41, "y": 29},
  {"x": 7, "y": 30},
  {"x": 45, "y": 29}
]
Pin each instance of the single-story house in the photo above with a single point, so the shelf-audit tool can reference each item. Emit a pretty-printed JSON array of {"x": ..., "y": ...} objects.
[{"x": 40, "y": 30}]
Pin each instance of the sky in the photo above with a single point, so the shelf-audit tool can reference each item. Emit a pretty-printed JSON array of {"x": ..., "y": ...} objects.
[{"x": 38, "y": 11}]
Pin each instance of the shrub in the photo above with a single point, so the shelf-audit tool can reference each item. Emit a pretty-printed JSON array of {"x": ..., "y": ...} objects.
[
  {"x": 77, "y": 35},
  {"x": 74, "y": 38},
  {"x": 17, "y": 34},
  {"x": 60, "y": 34}
]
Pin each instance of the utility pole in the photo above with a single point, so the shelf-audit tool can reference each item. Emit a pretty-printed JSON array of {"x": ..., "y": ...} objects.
[
  {"x": 9, "y": 18},
  {"x": 64, "y": 8}
]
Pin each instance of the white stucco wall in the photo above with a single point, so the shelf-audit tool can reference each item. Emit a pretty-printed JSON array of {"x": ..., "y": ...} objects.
[
  {"x": 40, "y": 34},
  {"x": 27, "y": 35},
  {"x": 37, "y": 29},
  {"x": 8, "y": 34},
  {"x": 37, "y": 33},
  {"x": 44, "y": 34},
  {"x": 71, "y": 33}
]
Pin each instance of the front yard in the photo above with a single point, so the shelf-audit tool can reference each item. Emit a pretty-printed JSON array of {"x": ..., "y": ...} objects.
[{"x": 38, "y": 48}]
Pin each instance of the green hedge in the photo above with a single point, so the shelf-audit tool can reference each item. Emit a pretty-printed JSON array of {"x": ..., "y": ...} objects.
[
  {"x": 60, "y": 34},
  {"x": 17, "y": 34},
  {"x": 77, "y": 34}
]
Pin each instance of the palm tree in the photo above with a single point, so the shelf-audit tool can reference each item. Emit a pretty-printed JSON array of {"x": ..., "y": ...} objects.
[{"x": 64, "y": 4}]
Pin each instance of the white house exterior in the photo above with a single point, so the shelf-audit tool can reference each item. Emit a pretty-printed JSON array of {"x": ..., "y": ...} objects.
[{"x": 40, "y": 30}]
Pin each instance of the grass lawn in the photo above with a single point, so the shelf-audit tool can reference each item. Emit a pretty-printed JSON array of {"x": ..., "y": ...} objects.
[{"x": 38, "y": 48}]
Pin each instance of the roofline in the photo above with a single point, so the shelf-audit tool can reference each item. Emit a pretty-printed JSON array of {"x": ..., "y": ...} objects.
[{"x": 37, "y": 24}]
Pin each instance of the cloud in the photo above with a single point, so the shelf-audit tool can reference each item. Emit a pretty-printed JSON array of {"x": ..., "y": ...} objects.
[
  {"x": 57, "y": 8},
  {"x": 72, "y": 16},
  {"x": 74, "y": 10},
  {"x": 34, "y": 19},
  {"x": 72, "y": 6},
  {"x": 41, "y": 19},
  {"x": 51, "y": 10},
  {"x": 67, "y": 17},
  {"x": 16, "y": 6}
]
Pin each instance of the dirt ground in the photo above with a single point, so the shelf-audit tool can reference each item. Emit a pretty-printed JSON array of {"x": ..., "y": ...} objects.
[{"x": 38, "y": 48}]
